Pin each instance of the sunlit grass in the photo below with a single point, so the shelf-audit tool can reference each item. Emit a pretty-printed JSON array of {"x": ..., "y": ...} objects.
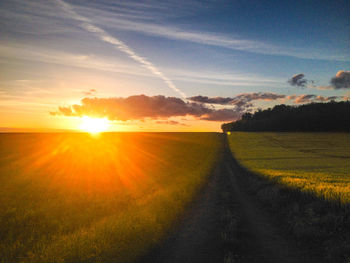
[
  {"x": 80, "y": 198},
  {"x": 313, "y": 162}
]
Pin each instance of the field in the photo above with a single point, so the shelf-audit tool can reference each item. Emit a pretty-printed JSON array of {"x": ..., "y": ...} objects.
[
  {"x": 80, "y": 198},
  {"x": 302, "y": 179},
  {"x": 317, "y": 163},
  {"x": 114, "y": 196}
]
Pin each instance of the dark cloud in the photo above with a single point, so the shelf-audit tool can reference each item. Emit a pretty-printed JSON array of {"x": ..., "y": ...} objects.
[
  {"x": 245, "y": 98},
  {"x": 298, "y": 80},
  {"x": 241, "y": 103},
  {"x": 135, "y": 107},
  {"x": 240, "y": 100},
  {"x": 140, "y": 107},
  {"x": 341, "y": 80},
  {"x": 213, "y": 100},
  {"x": 307, "y": 98}
]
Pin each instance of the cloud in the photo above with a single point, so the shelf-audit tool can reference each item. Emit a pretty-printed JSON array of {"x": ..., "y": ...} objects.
[
  {"x": 240, "y": 100},
  {"x": 104, "y": 36},
  {"x": 267, "y": 96},
  {"x": 301, "y": 98},
  {"x": 139, "y": 107},
  {"x": 90, "y": 92},
  {"x": 298, "y": 80},
  {"x": 160, "y": 108},
  {"x": 308, "y": 98},
  {"x": 341, "y": 80},
  {"x": 214, "y": 100},
  {"x": 66, "y": 111},
  {"x": 321, "y": 98},
  {"x": 243, "y": 102}
]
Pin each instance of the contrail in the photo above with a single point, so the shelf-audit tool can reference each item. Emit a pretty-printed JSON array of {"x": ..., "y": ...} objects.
[{"x": 104, "y": 36}]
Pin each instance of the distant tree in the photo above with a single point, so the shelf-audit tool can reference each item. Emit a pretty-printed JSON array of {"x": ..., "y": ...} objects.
[{"x": 331, "y": 116}]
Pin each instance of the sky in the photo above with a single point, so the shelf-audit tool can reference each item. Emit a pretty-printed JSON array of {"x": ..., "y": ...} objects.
[{"x": 167, "y": 65}]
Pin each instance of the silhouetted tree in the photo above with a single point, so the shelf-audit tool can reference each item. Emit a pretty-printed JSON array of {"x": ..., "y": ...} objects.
[{"x": 331, "y": 116}]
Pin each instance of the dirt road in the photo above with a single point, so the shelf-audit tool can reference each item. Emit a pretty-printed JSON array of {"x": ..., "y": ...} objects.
[{"x": 225, "y": 224}]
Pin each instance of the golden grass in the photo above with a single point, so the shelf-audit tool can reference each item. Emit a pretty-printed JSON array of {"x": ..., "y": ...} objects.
[
  {"x": 78, "y": 198},
  {"x": 312, "y": 162}
]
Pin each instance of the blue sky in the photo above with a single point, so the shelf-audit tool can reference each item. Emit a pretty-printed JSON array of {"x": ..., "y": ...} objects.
[{"x": 51, "y": 52}]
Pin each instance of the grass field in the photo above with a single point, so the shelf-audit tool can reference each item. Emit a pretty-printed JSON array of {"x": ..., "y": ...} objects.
[
  {"x": 313, "y": 162},
  {"x": 78, "y": 198}
]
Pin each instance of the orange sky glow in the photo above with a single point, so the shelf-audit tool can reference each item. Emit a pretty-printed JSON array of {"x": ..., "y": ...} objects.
[{"x": 63, "y": 61}]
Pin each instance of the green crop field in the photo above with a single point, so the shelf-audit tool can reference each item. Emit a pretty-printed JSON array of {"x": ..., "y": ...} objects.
[
  {"x": 79, "y": 198},
  {"x": 313, "y": 162}
]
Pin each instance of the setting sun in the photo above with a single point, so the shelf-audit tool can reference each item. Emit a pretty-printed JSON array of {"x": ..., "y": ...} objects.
[{"x": 94, "y": 125}]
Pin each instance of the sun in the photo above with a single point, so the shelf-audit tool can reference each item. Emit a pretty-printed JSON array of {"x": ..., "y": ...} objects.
[{"x": 94, "y": 125}]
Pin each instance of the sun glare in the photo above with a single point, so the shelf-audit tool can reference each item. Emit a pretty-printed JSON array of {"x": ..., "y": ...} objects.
[{"x": 94, "y": 125}]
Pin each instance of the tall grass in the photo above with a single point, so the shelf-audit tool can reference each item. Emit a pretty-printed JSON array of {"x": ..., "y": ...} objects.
[
  {"x": 78, "y": 198},
  {"x": 318, "y": 163}
]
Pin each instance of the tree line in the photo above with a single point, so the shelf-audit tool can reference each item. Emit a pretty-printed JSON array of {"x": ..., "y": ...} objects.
[{"x": 313, "y": 117}]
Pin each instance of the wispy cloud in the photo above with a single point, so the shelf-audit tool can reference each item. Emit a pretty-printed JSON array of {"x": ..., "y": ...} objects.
[
  {"x": 40, "y": 17},
  {"x": 223, "y": 78},
  {"x": 104, "y": 36},
  {"x": 102, "y": 17},
  {"x": 149, "y": 10},
  {"x": 94, "y": 62},
  {"x": 138, "y": 17},
  {"x": 87, "y": 61}
]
